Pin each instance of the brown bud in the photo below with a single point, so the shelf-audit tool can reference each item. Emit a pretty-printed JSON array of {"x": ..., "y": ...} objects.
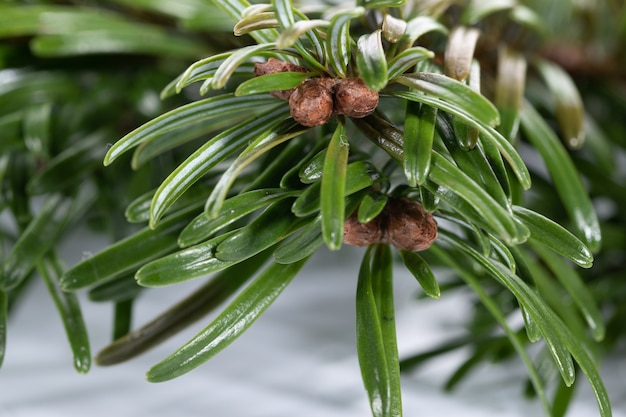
[
  {"x": 362, "y": 234},
  {"x": 403, "y": 223},
  {"x": 409, "y": 226},
  {"x": 273, "y": 66},
  {"x": 354, "y": 98},
  {"x": 311, "y": 103}
]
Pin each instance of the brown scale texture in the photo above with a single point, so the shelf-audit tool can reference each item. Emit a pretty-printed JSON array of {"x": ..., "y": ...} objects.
[
  {"x": 273, "y": 66},
  {"x": 354, "y": 98},
  {"x": 314, "y": 101},
  {"x": 311, "y": 103},
  {"x": 409, "y": 226},
  {"x": 362, "y": 234},
  {"x": 403, "y": 223}
]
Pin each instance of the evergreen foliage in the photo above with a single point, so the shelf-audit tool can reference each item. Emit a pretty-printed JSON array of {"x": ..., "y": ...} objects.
[{"x": 474, "y": 114}]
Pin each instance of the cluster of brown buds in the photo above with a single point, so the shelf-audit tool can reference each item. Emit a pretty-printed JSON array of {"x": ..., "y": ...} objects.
[
  {"x": 402, "y": 223},
  {"x": 315, "y": 100}
]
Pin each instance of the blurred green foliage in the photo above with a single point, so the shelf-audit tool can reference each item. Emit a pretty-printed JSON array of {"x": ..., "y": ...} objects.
[{"x": 506, "y": 128}]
